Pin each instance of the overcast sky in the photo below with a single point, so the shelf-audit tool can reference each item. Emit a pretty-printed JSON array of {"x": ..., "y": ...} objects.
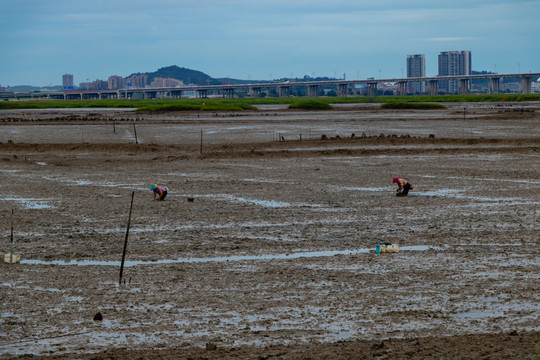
[{"x": 40, "y": 40}]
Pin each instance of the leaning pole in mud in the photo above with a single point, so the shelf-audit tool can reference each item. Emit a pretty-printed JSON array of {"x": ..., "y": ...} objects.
[
  {"x": 135, "y": 132},
  {"x": 11, "y": 242},
  {"x": 126, "y": 241}
]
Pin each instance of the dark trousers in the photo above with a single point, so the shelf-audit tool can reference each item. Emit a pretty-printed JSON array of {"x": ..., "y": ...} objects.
[
  {"x": 163, "y": 194},
  {"x": 406, "y": 189}
]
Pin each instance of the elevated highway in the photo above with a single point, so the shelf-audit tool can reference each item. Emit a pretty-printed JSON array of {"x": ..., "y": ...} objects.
[{"x": 283, "y": 88}]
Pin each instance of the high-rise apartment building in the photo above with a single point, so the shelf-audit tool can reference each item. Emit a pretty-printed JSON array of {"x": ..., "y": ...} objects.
[
  {"x": 97, "y": 85},
  {"x": 416, "y": 67},
  {"x": 67, "y": 81},
  {"x": 137, "y": 81},
  {"x": 166, "y": 82},
  {"x": 453, "y": 63},
  {"x": 116, "y": 82}
]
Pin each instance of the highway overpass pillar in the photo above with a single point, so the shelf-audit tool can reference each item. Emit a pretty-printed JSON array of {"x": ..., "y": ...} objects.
[
  {"x": 463, "y": 86},
  {"x": 255, "y": 92},
  {"x": 494, "y": 85},
  {"x": 371, "y": 89},
  {"x": 341, "y": 90},
  {"x": 433, "y": 87},
  {"x": 526, "y": 85},
  {"x": 313, "y": 90},
  {"x": 176, "y": 94},
  {"x": 283, "y": 91},
  {"x": 402, "y": 88}
]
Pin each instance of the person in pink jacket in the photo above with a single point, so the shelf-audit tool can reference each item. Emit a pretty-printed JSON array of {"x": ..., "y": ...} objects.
[
  {"x": 159, "y": 191},
  {"x": 403, "y": 186}
]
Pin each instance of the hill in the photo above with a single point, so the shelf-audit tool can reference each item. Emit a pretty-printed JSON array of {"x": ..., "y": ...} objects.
[{"x": 188, "y": 76}]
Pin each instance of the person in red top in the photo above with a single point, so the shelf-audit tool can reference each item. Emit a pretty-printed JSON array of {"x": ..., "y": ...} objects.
[
  {"x": 403, "y": 186},
  {"x": 159, "y": 191}
]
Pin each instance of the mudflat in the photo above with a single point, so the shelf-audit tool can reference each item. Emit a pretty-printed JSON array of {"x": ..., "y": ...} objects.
[{"x": 265, "y": 245}]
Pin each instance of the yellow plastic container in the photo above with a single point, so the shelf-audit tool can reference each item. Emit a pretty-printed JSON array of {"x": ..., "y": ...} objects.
[
  {"x": 13, "y": 258},
  {"x": 387, "y": 248}
]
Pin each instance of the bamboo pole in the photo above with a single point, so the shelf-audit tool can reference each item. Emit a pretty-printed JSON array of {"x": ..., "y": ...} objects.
[
  {"x": 135, "y": 131},
  {"x": 126, "y": 240},
  {"x": 11, "y": 246},
  {"x": 201, "y": 142},
  {"x": 533, "y": 230}
]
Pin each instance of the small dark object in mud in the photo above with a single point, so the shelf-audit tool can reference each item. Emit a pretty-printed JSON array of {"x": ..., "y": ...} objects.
[
  {"x": 98, "y": 317},
  {"x": 432, "y": 136},
  {"x": 190, "y": 199},
  {"x": 513, "y": 333},
  {"x": 211, "y": 347}
]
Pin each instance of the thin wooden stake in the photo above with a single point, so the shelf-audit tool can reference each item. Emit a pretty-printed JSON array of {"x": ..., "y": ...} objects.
[
  {"x": 135, "y": 131},
  {"x": 201, "y": 142},
  {"x": 534, "y": 225},
  {"x": 126, "y": 240},
  {"x": 11, "y": 246}
]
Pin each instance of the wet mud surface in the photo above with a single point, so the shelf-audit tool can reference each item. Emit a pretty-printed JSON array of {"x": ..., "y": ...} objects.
[{"x": 274, "y": 256}]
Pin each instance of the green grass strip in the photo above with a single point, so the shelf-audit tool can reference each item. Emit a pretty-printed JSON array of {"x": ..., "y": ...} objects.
[
  {"x": 247, "y": 103},
  {"x": 311, "y": 104}
]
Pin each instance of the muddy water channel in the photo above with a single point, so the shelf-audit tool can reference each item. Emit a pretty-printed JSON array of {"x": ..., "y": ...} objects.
[{"x": 276, "y": 243}]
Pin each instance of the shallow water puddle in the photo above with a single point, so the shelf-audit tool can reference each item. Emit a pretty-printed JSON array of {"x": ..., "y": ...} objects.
[
  {"x": 73, "y": 182},
  {"x": 246, "y": 226},
  {"x": 70, "y": 181},
  {"x": 269, "y": 181},
  {"x": 441, "y": 192},
  {"x": 350, "y": 188},
  {"x": 265, "y": 203},
  {"x": 34, "y": 204},
  {"x": 9, "y": 171},
  {"x": 519, "y": 181},
  {"x": 458, "y": 194},
  {"x": 475, "y": 314},
  {"x": 123, "y": 186},
  {"x": 297, "y": 255}
]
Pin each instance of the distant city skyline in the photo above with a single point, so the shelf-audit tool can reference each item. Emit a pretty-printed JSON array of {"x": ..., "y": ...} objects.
[
  {"x": 415, "y": 65},
  {"x": 261, "y": 40}
]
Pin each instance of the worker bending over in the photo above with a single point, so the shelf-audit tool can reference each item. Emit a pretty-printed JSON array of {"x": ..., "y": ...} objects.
[{"x": 403, "y": 186}]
